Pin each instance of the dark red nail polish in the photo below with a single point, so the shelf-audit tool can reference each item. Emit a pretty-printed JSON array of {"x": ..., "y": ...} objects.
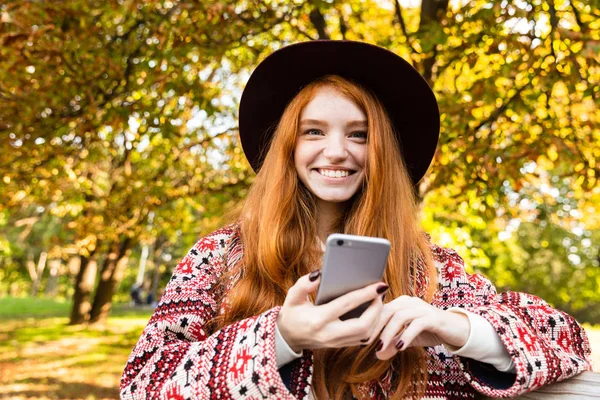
[
  {"x": 399, "y": 344},
  {"x": 379, "y": 345},
  {"x": 314, "y": 275},
  {"x": 381, "y": 289},
  {"x": 383, "y": 297}
]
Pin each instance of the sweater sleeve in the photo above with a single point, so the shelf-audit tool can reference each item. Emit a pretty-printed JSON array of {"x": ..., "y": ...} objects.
[
  {"x": 176, "y": 359},
  {"x": 483, "y": 343},
  {"x": 285, "y": 354},
  {"x": 546, "y": 345}
]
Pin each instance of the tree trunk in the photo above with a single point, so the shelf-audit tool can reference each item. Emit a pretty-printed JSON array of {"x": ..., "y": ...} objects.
[
  {"x": 14, "y": 290},
  {"x": 52, "y": 284},
  {"x": 161, "y": 240},
  {"x": 155, "y": 280},
  {"x": 30, "y": 264},
  {"x": 432, "y": 12},
  {"x": 84, "y": 284},
  {"x": 4, "y": 288},
  {"x": 36, "y": 272},
  {"x": 319, "y": 23},
  {"x": 142, "y": 268},
  {"x": 73, "y": 266},
  {"x": 110, "y": 278}
]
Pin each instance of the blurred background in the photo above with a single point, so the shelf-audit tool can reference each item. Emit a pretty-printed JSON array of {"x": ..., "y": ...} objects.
[{"x": 119, "y": 149}]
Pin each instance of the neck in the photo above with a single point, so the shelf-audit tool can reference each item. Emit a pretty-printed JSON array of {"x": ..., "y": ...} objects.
[{"x": 327, "y": 215}]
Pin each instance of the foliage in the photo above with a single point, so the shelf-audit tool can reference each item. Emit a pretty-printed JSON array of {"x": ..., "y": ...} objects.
[
  {"x": 118, "y": 122},
  {"x": 554, "y": 258}
]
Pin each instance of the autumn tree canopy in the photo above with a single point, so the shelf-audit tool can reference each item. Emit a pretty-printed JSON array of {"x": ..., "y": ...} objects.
[{"x": 118, "y": 124}]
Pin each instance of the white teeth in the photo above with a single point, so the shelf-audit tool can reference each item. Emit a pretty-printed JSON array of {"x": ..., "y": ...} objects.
[{"x": 334, "y": 174}]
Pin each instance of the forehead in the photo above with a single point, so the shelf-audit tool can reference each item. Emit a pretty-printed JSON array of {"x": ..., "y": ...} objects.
[{"x": 329, "y": 104}]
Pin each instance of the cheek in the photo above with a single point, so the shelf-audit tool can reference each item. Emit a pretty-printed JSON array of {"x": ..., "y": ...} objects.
[
  {"x": 302, "y": 155},
  {"x": 297, "y": 158},
  {"x": 361, "y": 156},
  {"x": 300, "y": 161}
]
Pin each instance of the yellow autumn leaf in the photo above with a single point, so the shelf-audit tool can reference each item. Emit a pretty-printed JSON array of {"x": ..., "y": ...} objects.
[{"x": 552, "y": 153}]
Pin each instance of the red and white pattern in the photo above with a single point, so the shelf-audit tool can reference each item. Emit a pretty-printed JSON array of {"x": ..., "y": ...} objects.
[{"x": 175, "y": 359}]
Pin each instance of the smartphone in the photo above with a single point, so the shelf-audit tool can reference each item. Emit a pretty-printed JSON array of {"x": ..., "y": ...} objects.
[{"x": 351, "y": 262}]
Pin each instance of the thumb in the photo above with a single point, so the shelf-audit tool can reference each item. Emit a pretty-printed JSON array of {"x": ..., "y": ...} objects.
[{"x": 298, "y": 294}]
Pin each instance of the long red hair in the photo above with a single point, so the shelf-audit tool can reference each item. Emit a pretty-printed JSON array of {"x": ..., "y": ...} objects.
[{"x": 278, "y": 229}]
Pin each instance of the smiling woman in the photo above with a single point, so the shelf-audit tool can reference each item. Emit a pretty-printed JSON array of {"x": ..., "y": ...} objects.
[
  {"x": 338, "y": 146},
  {"x": 331, "y": 155}
]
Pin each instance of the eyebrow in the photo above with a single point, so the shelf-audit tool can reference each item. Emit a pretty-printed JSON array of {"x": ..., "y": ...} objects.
[{"x": 362, "y": 123}]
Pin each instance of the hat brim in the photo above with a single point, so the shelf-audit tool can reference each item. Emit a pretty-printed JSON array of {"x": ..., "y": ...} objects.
[{"x": 406, "y": 96}]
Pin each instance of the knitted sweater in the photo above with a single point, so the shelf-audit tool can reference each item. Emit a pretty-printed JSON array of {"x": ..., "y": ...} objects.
[{"x": 176, "y": 359}]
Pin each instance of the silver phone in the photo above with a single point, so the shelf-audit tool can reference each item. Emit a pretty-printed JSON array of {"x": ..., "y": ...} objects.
[{"x": 351, "y": 262}]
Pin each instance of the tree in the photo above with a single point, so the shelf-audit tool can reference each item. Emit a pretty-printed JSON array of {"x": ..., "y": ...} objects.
[{"x": 110, "y": 111}]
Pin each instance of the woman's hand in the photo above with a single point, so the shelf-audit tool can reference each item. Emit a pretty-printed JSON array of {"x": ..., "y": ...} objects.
[
  {"x": 411, "y": 321},
  {"x": 304, "y": 325}
]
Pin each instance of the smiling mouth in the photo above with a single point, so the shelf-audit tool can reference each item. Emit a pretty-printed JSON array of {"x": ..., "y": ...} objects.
[{"x": 329, "y": 173}]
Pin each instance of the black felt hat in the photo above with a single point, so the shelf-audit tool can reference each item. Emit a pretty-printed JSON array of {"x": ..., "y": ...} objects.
[{"x": 408, "y": 99}]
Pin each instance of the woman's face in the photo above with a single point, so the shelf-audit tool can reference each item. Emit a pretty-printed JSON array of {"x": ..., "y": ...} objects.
[{"x": 331, "y": 150}]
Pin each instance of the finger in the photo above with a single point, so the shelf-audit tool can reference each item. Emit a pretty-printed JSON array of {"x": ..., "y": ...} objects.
[
  {"x": 386, "y": 315},
  {"x": 362, "y": 329},
  {"x": 306, "y": 284},
  {"x": 398, "y": 321},
  {"x": 401, "y": 311},
  {"x": 414, "y": 329},
  {"x": 350, "y": 301}
]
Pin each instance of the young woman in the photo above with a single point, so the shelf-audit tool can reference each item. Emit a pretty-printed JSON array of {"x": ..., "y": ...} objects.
[{"x": 340, "y": 133}]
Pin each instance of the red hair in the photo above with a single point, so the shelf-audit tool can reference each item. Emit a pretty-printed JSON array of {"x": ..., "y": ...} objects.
[{"x": 278, "y": 229}]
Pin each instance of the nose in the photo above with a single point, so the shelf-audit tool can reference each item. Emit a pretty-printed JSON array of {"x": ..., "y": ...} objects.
[{"x": 335, "y": 148}]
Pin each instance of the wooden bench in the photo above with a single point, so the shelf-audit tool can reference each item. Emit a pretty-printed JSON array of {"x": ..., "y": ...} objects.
[{"x": 583, "y": 386}]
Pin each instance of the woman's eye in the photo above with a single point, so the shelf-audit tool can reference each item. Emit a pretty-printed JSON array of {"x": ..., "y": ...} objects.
[
  {"x": 360, "y": 135},
  {"x": 313, "y": 132}
]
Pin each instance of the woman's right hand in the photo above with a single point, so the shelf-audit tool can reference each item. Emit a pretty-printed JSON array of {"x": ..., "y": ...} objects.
[{"x": 304, "y": 325}]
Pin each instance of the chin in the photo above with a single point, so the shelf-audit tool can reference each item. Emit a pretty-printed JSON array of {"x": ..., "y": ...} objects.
[
  {"x": 335, "y": 198},
  {"x": 338, "y": 201}
]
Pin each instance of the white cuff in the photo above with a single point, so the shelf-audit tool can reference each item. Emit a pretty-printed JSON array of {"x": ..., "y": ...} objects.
[
  {"x": 483, "y": 343},
  {"x": 284, "y": 352}
]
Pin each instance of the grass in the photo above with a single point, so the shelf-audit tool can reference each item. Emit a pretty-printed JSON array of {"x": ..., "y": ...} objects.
[
  {"x": 41, "y": 357},
  {"x": 21, "y": 308},
  {"x": 28, "y": 307}
]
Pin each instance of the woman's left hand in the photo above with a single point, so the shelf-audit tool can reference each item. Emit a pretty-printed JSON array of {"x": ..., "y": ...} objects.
[{"x": 410, "y": 321}]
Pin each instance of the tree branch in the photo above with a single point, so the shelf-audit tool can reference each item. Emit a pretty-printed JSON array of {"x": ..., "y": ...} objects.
[
  {"x": 500, "y": 110},
  {"x": 403, "y": 27},
  {"x": 319, "y": 23}
]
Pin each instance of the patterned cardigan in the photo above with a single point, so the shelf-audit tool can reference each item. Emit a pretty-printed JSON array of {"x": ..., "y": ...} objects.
[{"x": 176, "y": 359}]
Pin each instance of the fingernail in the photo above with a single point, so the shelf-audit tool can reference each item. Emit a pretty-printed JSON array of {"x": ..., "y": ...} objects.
[
  {"x": 364, "y": 340},
  {"x": 314, "y": 275},
  {"x": 399, "y": 344},
  {"x": 379, "y": 345},
  {"x": 383, "y": 297},
  {"x": 381, "y": 289}
]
